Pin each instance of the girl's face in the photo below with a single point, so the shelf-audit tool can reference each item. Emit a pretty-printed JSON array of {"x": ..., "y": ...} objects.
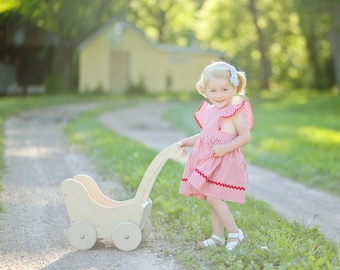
[{"x": 220, "y": 92}]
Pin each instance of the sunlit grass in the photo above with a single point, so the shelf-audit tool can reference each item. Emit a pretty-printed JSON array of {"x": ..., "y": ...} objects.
[
  {"x": 320, "y": 136},
  {"x": 273, "y": 242},
  {"x": 296, "y": 134}
]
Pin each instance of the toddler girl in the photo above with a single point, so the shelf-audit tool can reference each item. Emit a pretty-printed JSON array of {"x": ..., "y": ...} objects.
[{"x": 216, "y": 170}]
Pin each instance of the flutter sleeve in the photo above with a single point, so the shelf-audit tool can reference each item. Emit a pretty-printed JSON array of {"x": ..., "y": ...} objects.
[
  {"x": 247, "y": 110},
  {"x": 198, "y": 115}
]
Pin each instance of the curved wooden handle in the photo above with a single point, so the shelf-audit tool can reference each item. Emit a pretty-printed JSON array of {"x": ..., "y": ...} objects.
[{"x": 149, "y": 178}]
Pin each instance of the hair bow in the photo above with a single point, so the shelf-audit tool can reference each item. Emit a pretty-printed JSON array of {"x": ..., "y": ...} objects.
[{"x": 233, "y": 75}]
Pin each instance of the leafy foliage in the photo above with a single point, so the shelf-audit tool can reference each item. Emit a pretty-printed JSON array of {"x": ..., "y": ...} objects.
[
  {"x": 165, "y": 20},
  {"x": 72, "y": 21},
  {"x": 293, "y": 35}
]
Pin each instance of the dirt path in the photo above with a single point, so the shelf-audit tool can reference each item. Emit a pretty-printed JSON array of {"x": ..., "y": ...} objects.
[
  {"x": 34, "y": 225},
  {"x": 293, "y": 200}
]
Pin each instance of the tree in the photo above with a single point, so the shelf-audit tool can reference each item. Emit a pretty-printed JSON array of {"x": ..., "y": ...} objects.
[
  {"x": 270, "y": 40},
  {"x": 7, "y": 5},
  {"x": 335, "y": 39},
  {"x": 227, "y": 25},
  {"x": 290, "y": 43},
  {"x": 71, "y": 21},
  {"x": 315, "y": 23},
  {"x": 262, "y": 46},
  {"x": 166, "y": 21}
]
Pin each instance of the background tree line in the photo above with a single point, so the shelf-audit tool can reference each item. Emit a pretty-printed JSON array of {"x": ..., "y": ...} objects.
[{"x": 279, "y": 43}]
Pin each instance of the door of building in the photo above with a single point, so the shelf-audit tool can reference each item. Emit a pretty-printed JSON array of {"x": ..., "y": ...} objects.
[{"x": 119, "y": 72}]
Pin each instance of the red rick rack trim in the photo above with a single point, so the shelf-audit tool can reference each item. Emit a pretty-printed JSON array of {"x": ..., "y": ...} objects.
[
  {"x": 195, "y": 117},
  {"x": 215, "y": 183},
  {"x": 234, "y": 112}
]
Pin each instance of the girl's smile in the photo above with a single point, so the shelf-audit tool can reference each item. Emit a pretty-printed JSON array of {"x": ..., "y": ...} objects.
[{"x": 220, "y": 92}]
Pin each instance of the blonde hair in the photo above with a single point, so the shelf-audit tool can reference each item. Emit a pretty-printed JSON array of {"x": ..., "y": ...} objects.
[{"x": 221, "y": 69}]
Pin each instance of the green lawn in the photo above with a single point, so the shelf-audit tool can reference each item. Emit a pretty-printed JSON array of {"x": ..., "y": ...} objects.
[
  {"x": 273, "y": 243},
  {"x": 296, "y": 134}
]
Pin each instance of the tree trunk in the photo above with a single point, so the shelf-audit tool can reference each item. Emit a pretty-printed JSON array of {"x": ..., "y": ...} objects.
[
  {"x": 265, "y": 64},
  {"x": 64, "y": 62},
  {"x": 317, "y": 66},
  {"x": 335, "y": 45}
]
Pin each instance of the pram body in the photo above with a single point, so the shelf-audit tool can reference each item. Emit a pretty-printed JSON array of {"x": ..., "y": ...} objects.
[{"x": 95, "y": 216}]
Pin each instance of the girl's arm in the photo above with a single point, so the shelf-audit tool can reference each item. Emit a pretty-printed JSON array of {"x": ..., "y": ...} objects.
[
  {"x": 242, "y": 138},
  {"x": 188, "y": 142}
]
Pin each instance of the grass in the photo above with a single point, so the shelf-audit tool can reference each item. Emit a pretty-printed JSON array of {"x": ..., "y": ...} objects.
[
  {"x": 296, "y": 134},
  {"x": 273, "y": 242}
]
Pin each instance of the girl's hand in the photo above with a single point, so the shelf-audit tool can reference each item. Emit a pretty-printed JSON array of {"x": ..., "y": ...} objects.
[
  {"x": 219, "y": 150},
  {"x": 179, "y": 144}
]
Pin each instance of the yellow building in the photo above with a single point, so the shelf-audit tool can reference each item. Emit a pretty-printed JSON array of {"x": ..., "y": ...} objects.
[{"x": 119, "y": 57}]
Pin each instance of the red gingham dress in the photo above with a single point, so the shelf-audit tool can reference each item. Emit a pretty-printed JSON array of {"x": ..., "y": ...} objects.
[{"x": 205, "y": 175}]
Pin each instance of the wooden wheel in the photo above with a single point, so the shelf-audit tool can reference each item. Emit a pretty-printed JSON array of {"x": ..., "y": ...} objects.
[
  {"x": 82, "y": 235},
  {"x": 147, "y": 230},
  {"x": 126, "y": 236}
]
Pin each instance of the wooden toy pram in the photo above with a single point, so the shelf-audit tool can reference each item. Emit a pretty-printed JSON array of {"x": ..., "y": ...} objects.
[{"x": 95, "y": 216}]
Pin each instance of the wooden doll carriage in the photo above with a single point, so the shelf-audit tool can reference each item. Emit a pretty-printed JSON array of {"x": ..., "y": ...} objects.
[{"x": 95, "y": 216}]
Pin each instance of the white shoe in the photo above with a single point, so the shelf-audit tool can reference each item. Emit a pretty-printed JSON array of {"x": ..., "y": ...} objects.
[
  {"x": 212, "y": 241},
  {"x": 232, "y": 244}
]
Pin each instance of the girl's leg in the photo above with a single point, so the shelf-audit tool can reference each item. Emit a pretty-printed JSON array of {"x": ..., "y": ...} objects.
[
  {"x": 221, "y": 216},
  {"x": 217, "y": 224},
  {"x": 218, "y": 231}
]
